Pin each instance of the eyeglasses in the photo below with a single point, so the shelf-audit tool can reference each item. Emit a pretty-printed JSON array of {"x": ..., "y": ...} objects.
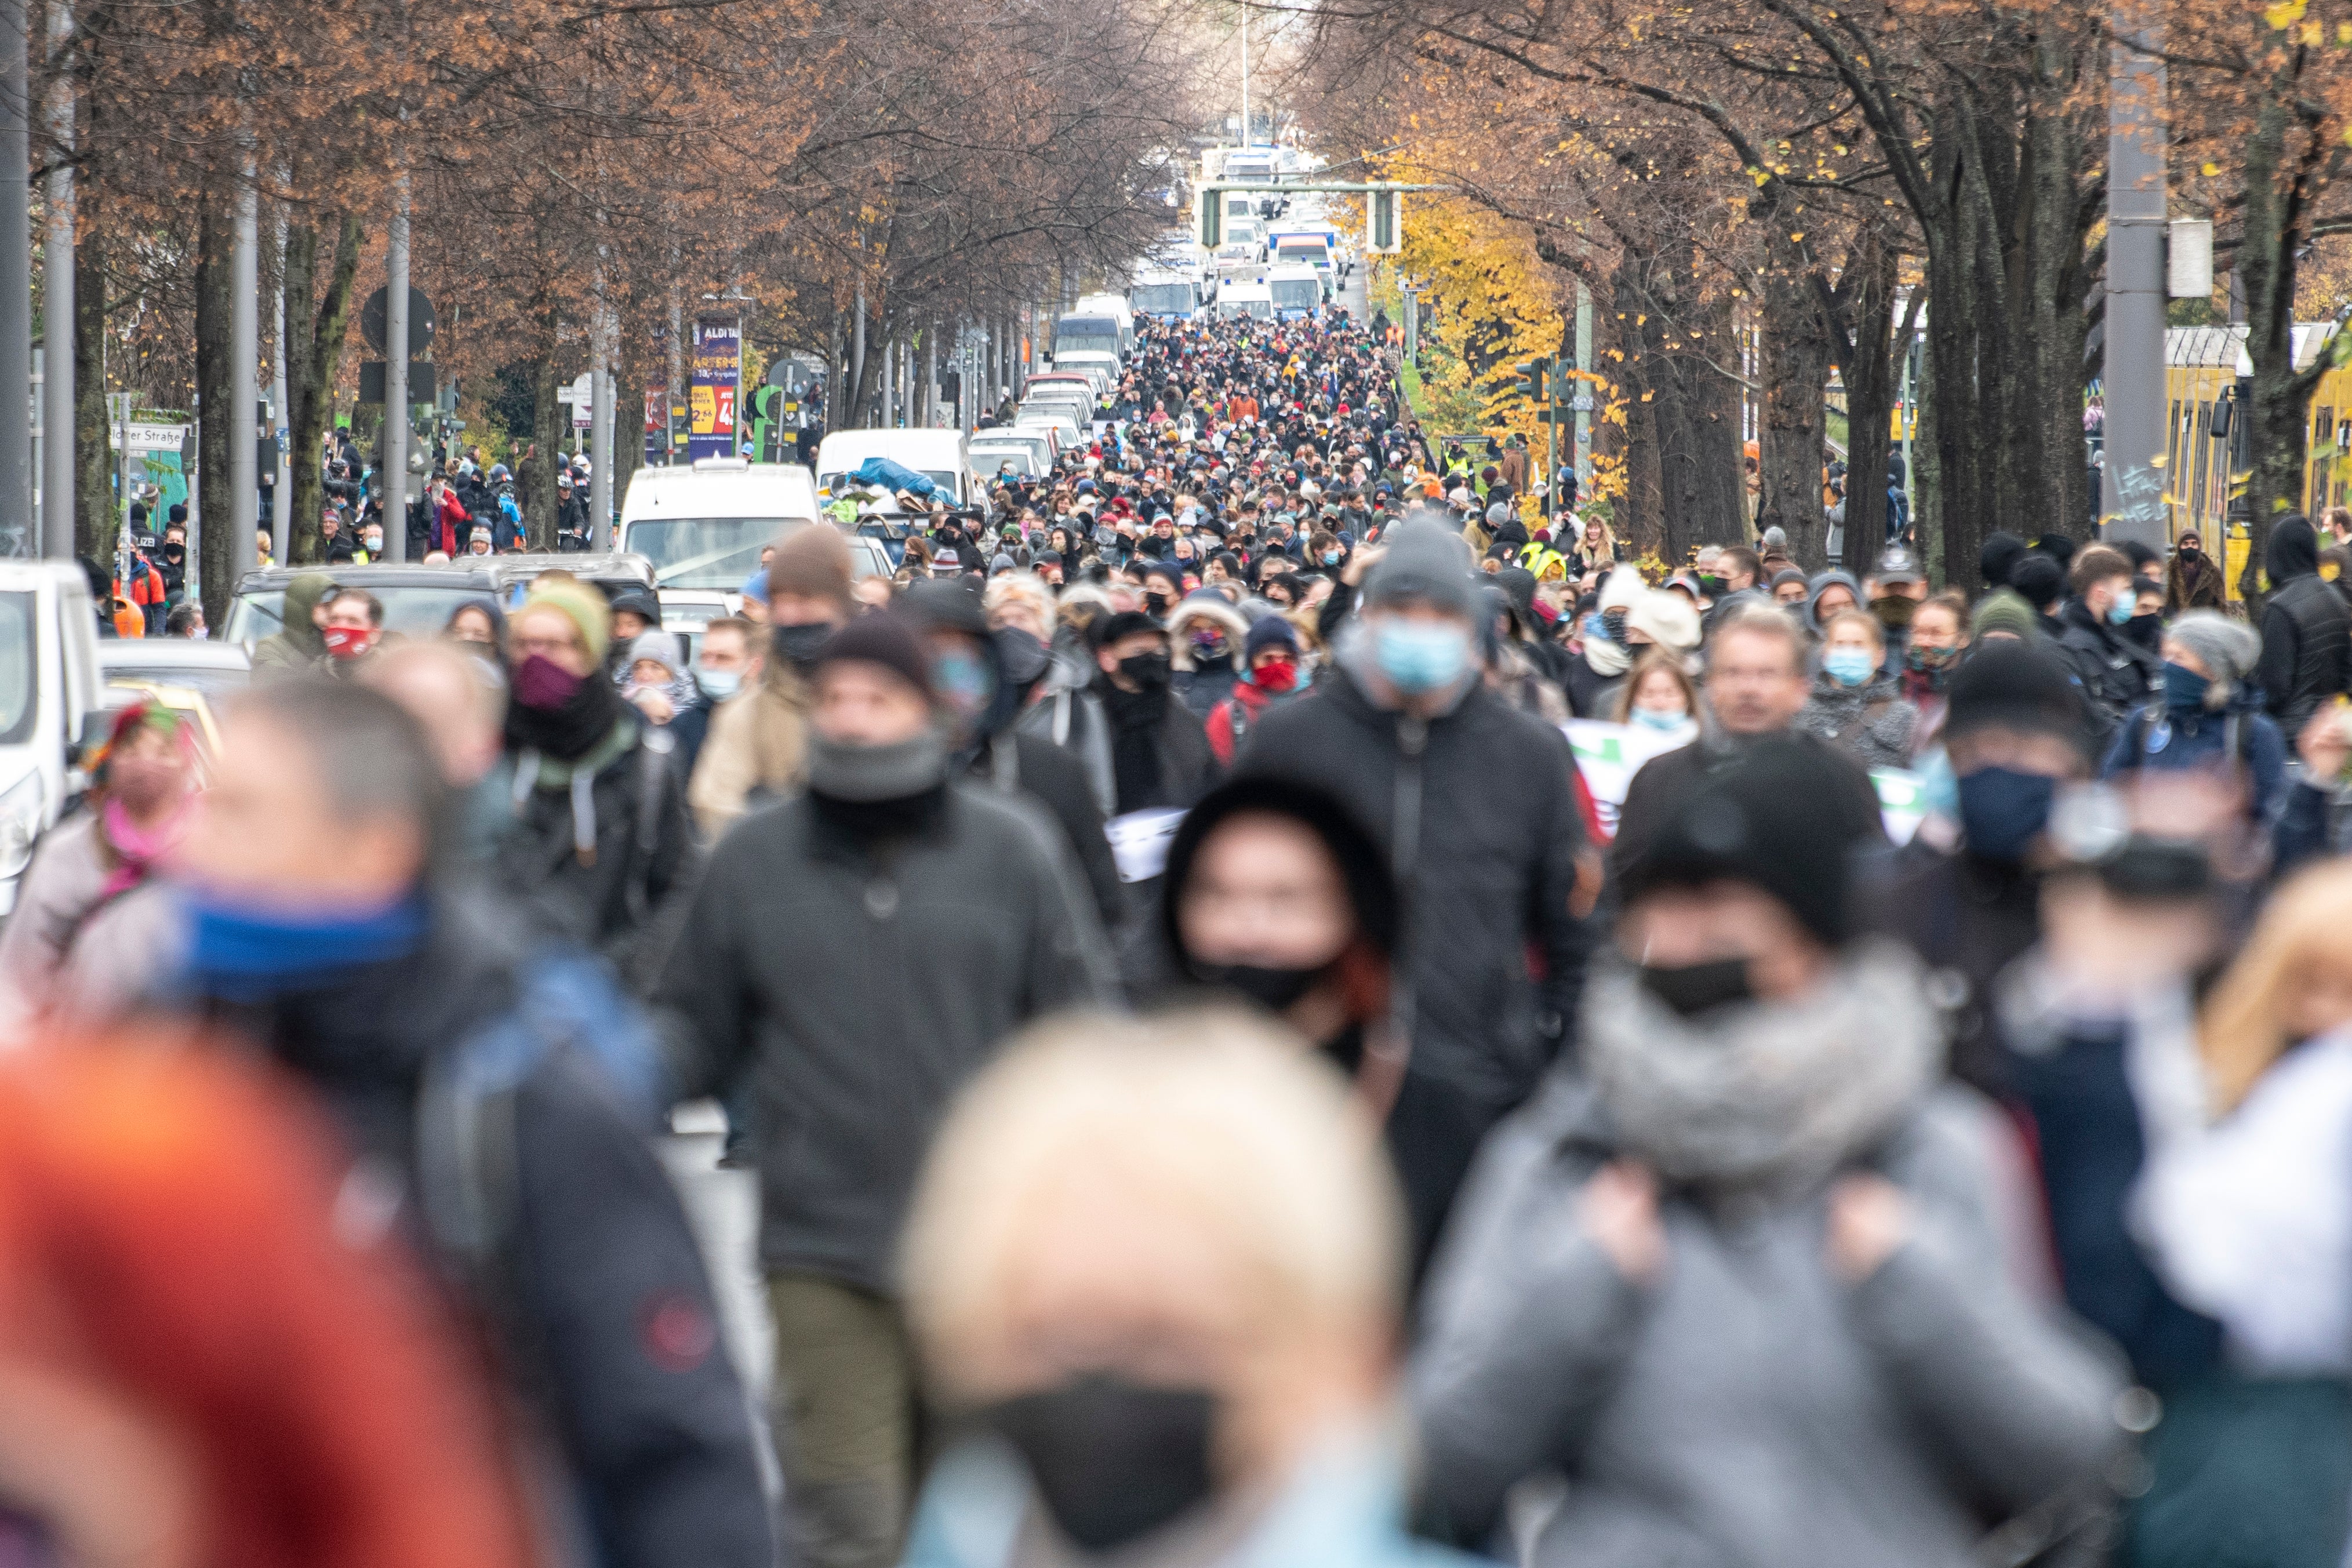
[{"x": 545, "y": 647}]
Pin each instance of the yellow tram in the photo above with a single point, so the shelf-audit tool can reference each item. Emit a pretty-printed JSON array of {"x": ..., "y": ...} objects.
[{"x": 2203, "y": 449}]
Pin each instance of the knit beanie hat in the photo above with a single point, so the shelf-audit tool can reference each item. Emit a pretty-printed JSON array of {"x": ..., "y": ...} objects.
[
  {"x": 1760, "y": 822},
  {"x": 1269, "y": 632},
  {"x": 2039, "y": 579},
  {"x": 2021, "y": 686},
  {"x": 813, "y": 561},
  {"x": 2228, "y": 649},
  {"x": 1998, "y": 556},
  {"x": 1669, "y": 620},
  {"x": 1426, "y": 561},
  {"x": 882, "y": 638},
  {"x": 2004, "y": 609},
  {"x": 585, "y": 607},
  {"x": 661, "y": 647}
]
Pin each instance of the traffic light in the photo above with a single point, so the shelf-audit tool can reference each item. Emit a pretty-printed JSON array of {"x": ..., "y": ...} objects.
[
  {"x": 1209, "y": 215},
  {"x": 1383, "y": 235},
  {"x": 1533, "y": 377}
]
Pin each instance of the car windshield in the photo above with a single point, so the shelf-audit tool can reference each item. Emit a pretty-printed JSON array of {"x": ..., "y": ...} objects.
[
  {"x": 212, "y": 680},
  {"x": 702, "y": 552},
  {"x": 1304, "y": 291},
  {"x": 411, "y": 609},
  {"x": 18, "y": 684},
  {"x": 1162, "y": 298},
  {"x": 1022, "y": 460}
]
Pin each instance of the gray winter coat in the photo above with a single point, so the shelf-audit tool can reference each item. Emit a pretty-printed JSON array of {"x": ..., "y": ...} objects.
[
  {"x": 1748, "y": 1410},
  {"x": 860, "y": 993},
  {"x": 1872, "y": 724}
]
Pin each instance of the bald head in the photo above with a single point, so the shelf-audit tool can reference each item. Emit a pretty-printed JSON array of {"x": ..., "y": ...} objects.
[{"x": 455, "y": 696}]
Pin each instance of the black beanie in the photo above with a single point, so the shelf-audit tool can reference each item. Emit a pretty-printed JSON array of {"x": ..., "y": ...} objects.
[
  {"x": 1999, "y": 558},
  {"x": 2039, "y": 580},
  {"x": 1760, "y": 822},
  {"x": 1363, "y": 863},
  {"x": 883, "y": 638},
  {"x": 2004, "y": 684},
  {"x": 2058, "y": 548}
]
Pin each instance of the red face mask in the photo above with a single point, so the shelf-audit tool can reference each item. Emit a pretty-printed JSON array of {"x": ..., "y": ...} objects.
[
  {"x": 345, "y": 642},
  {"x": 1275, "y": 674}
]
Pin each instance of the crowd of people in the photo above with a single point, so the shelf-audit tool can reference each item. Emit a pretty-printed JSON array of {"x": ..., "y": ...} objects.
[{"x": 1223, "y": 1085}]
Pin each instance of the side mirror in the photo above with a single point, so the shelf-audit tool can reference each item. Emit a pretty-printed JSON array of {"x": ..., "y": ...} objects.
[{"x": 92, "y": 727}]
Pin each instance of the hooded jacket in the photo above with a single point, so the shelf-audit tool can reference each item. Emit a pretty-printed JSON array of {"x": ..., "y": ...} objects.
[
  {"x": 299, "y": 647},
  {"x": 2306, "y": 630},
  {"x": 1202, "y": 686},
  {"x": 1492, "y": 955},
  {"x": 756, "y": 748},
  {"x": 621, "y": 897},
  {"x": 1748, "y": 1407},
  {"x": 656, "y": 1433},
  {"x": 860, "y": 988}
]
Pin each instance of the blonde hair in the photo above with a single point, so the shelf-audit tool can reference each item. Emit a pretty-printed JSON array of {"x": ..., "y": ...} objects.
[
  {"x": 1651, "y": 664},
  {"x": 1211, "y": 1112},
  {"x": 2243, "y": 1028},
  {"x": 1020, "y": 599},
  {"x": 1868, "y": 622}
]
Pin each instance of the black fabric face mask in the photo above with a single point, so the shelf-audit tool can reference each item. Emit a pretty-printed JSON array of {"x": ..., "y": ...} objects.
[
  {"x": 1148, "y": 671},
  {"x": 800, "y": 646},
  {"x": 1693, "y": 990},
  {"x": 1113, "y": 1461},
  {"x": 1273, "y": 989}
]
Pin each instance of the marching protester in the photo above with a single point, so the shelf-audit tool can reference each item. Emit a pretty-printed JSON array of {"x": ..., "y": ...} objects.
[{"x": 1271, "y": 1001}]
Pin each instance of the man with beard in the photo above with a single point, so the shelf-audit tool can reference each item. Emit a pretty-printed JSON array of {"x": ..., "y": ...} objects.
[
  {"x": 758, "y": 747},
  {"x": 599, "y": 840},
  {"x": 838, "y": 955}
]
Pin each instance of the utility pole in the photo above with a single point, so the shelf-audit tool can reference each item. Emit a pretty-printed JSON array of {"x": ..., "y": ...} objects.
[
  {"x": 244, "y": 519},
  {"x": 57, "y": 320},
  {"x": 16, "y": 281},
  {"x": 2131, "y": 498},
  {"x": 1583, "y": 397},
  {"x": 1245, "y": 114},
  {"x": 599, "y": 425},
  {"x": 396, "y": 382},
  {"x": 281, "y": 484}
]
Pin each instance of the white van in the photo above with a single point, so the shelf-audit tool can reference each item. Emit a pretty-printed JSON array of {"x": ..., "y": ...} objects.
[
  {"x": 1296, "y": 292},
  {"x": 1293, "y": 247},
  {"x": 1238, "y": 299},
  {"x": 938, "y": 456},
  {"x": 703, "y": 525},
  {"x": 1031, "y": 452},
  {"x": 50, "y": 701},
  {"x": 1116, "y": 306}
]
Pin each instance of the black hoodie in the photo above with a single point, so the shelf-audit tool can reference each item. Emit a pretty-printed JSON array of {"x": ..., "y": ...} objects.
[{"x": 2306, "y": 630}]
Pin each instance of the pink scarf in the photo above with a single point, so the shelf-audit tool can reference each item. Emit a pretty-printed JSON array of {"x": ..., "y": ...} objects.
[{"x": 137, "y": 849}]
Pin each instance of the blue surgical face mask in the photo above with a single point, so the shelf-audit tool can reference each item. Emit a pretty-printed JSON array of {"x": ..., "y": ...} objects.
[
  {"x": 963, "y": 680},
  {"x": 1660, "y": 718},
  {"x": 2184, "y": 689},
  {"x": 1421, "y": 657},
  {"x": 719, "y": 685},
  {"x": 1849, "y": 667},
  {"x": 2001, "y": 811},
  {"x": 2120, "y": 613}
]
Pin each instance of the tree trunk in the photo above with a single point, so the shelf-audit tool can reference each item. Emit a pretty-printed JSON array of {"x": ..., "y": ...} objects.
[
  {"x": 1796, "y": 370},
  {"x": 2050, "y": 463},
  {"x": 97, "y": 511},
  {"x": 218, "y": 404},
  {"x": 1863, "y": 329},
  {"x": 315, "y": 357},
  {"x": 546, "y": 430},
  {"x": 1702, "y": 492},
  {"x": 1638, "y": 521},
  {"x": 2278, "y": 399}
]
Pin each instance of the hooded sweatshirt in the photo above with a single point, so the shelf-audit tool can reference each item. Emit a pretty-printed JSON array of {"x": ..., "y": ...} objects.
[
  {"x": 2306, "y": 630},
  {"x": 299, "y": 647}
]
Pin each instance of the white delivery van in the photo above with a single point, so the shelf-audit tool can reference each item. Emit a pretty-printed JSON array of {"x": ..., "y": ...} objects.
[
  {"x": 1296, "y": 292},
  {"x": 702, "y": 524},
  {"x": 1171, "y": 295},
  {"x": 1116, "y": 306},
  {"x": 1293, "y": 249},
  {"x": 1238, "y": 299},
  {"x": 938, "y": 456},
  {"x": 49, "y": 702}
]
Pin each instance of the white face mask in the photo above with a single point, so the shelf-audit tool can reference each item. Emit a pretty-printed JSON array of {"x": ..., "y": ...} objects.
[{"x": 200, "y": 634}]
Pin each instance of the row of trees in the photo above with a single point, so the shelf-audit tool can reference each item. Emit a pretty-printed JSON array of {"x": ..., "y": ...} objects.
[
  {"x": 850, "y": 173},
  {"x": 1811, "y": 179}
]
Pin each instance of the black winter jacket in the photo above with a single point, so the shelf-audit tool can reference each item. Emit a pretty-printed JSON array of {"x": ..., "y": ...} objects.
[
  {"x": 1478, "y": 807},
  {"x": 2116, "y": 675},
  {"x": 625, "y": 899},
  {"x": 601, "y": 1314},
  {"x": 2307, "y": 650},
  {"x": 860, "y": 985}
]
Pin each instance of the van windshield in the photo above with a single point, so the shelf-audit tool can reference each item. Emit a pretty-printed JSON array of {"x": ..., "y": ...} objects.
[
  {"x": 18, "y": 678},
  {"x": 702, "y": 552},
  {"x": 1302, "y": 292},
  {"x": 1162, "y": 298},
  {"x": 1302, "y": 252}
]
